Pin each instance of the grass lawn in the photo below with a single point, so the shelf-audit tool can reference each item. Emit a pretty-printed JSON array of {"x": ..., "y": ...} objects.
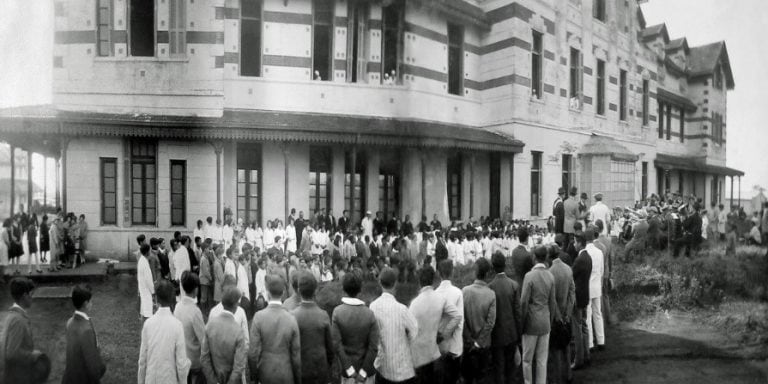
[
  {"x": 118, "y": 327},
  {"x": 115, "y": 317}
]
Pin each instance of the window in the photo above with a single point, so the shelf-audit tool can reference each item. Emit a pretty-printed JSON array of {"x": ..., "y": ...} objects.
[
  {"x": 250, "y": 38},
  {"x": 661, "y": 120},
  {"x": 104, "y": 27},
  {"x": 388, "y": 193},
  {"x": 682, "y": 125},
  {"x": 598, "y": 10},
  {"x": 392, "y": 43},
  {"x": 455, "y": 178},
  {"x": 249, "y": 182},
  {"x": 354, "y": 194},
  {"x": 177, "y": 28},
  {"x": 575, "y": 75},
  {"x": 319, "y": 179},
  {"x": 669, "y": 122},
  {"x": 143, "y": 183},
  {"x": 600, "y": 87},
  {"x": 178, "y": 192},
  {"x": 535, "y": 183},
  {"x": 667, "y": 180},
  {"x": 622, "y": 95},
  {"x": 644, "y": 182},
  {"x": 646, "y": 101},
  {"x": 567, "y": 171},
  {"x": 621, "y": 185},
  {"x": 718, "y": 133},
  {"x": 322, "y": 45},
  {"x": 356, "y": 41},
  {"x": 715, "y": 192},
  {"x": 718, "y": 78},
  {"x": 142, "y": 28},
  {"x": 536, "y": 65},
  {"x": 108, "y": 191},
  {"x": 455, "y": 58}
]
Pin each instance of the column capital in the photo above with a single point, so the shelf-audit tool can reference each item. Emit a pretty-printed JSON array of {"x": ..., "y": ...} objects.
[{"x": 218, "y": 146}]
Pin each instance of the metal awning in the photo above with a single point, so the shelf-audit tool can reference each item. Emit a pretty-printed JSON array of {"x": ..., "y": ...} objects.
[
  {"x": 258, "y": 126},
  {"x": 675, "y": 99},
  {"x": 694, "y": 164}
]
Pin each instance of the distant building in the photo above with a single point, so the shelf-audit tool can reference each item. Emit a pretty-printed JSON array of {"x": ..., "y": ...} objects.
[{"x": 171, "y": 111}]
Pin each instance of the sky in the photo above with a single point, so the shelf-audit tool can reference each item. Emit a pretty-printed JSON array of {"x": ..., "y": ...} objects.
[{"x": 26, "y": 40}]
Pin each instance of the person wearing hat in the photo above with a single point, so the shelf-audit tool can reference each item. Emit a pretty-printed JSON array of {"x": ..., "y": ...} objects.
[
  {"x": 571, "y": 208},
  {"x": 600, "y": 211},
  {"x": 558, "y": 211},
  {"x": 367, "y": 224}
]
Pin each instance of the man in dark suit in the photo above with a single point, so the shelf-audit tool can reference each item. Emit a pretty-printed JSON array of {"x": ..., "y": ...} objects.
[
  {"x": 300, "y": 224},
  {"x": 315, "y": 334},
  {"x": 274, "y": 355},
  {"x": 17, "y": 350},
  {"x": 330, "y": 221},
  {"x": 582, "y": 270},
  {"x": 559, "y": 365},
  {"x": 84, "y": 363},
  {"x": 506, "y": 332},
  {"x": 224, "y": 352},
  {"x": 521, "y": 259},
  {"x": 558, "y": 210},
  {"x": 344, "y": 222}
]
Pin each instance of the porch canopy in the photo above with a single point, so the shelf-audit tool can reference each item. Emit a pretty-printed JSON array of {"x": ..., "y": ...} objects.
[
  {"x": 694, "y": 164},
  {"x": 47, "y": 124}
]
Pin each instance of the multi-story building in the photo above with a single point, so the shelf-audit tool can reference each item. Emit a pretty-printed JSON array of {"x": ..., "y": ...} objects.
[{"x": 168, "y": 111}]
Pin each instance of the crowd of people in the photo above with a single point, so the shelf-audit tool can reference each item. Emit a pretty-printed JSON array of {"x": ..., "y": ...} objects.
[
  {"x": 59, "y": 241},
  {"x": 235, "y": 303}
]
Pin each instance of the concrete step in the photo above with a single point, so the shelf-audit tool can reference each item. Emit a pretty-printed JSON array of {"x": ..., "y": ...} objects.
[{"x": 83, "y": 273}]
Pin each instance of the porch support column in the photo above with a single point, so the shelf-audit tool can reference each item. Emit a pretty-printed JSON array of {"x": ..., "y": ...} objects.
[
  {"x": 63, "y": 148},
  {"x": 371, "y": 180},
  {"x": 352, "y": 172},
  {"x": 739, "y": 191},
  {"x": 13, "y": 179},
  {"x": 337, "y": 182},
  {"x": 422, "y": 157},
  {"x": 29, "y": 183},
  {"x": 286, "y": 152},
  {"x": 45, "y": 181},
  {"x": 731, "y": 191},
  {"x": 218, "y": 147}
]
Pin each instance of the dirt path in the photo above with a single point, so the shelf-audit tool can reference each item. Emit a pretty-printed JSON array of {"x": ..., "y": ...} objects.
[{"x": 674, "y": 348}]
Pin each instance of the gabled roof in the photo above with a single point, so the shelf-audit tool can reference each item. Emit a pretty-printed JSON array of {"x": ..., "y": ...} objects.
[
  {"x": 606, "y": 146},
  {"x": 677, "y": 44},
  {"x": 704, "y": 59},
  {"x": 640, "y": 17},
  {"x": 651, "y": 32}
]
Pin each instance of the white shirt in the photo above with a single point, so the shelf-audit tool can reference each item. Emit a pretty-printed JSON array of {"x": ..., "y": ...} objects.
[
  {"x": 600, "y": 211},
  {"x": 242, "y": 281},
  {"x": 367, "y": 225},
  {"x": 261, "y": 284},
  {"x": 230, "y": 268},
  {"x": 240, "y": 318},
  {"x": 163, "y": 353},
  {"x": 704, "y": 226},
  {"x": 180, "y": 262},
  {"x": 227, "y": 234},
  {"x": 290, "y": 237},
  {"x": 596, "y": 278},
  {"x": 146, "y": 286},
  {"x": 269, "y": 238},
  {"x": 453, "y": 295}
]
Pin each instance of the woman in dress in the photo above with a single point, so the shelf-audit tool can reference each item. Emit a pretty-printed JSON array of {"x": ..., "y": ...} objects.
[
  {"x": 290, "y": 238},
  {"x": 16, "y": 249},
  {"x": 269, "y": 235},
  {"x": 32, "y": 245},
  {"x": 280, "y": 231},
  {"x": 5, "y": 243},
  {"x": 56, "y": 237},
  {"x": 45, "y": 244}
]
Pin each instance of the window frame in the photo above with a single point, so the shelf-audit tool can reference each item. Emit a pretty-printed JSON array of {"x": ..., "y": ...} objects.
[
  {"x": 103, "y": 161},
  {"x": 644, "y": 181},
  {"x": 400, "y": 28},
  {"x": 669, "y": 121},
  {"x": 99, "y": 37},
  {"x": 183, "y": 193},
  {"x": 567, "y": 171},
  {"x": 357, "y": 41},
  {"x": 455, "y": 167},
  {"x": 458, "y": 88},
  {"x": 682, "y": 125},
  {"x": 661, "y": 119},
  {"x": 389, "y": 192},
  {"x": 248, "y": 183},
  {"x": 177, "y": 28},
  {"x": 576, "y": 75},
  {"x": 600, "y": 87},
  {"x": 258, "y": 52},
  {"x": 536, "y": 171},
  {"x": 646, "y": 102},
  {"x": 329, "y": 26},
  {"x": 144, "y": 161},
  {"x": 599, "y": 10},
  {"x": 622, "y": 95},
  {"x": 129, "y": 29},
  {"x": 537, "y": 64}
]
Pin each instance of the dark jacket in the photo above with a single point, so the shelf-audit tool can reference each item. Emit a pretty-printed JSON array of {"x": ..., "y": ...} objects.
[
  {"x": 559, "y": 213},
  {"x": 507, "y": 329},
  {"x": 16, "y": 350},
  {"x": 84, "y": 363},
  {"x": 582, "y": 269},
  {"x": 522, "y": 262},
  {"x": 316, "y": 342},
  {"x": 356, "y": 337}
]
